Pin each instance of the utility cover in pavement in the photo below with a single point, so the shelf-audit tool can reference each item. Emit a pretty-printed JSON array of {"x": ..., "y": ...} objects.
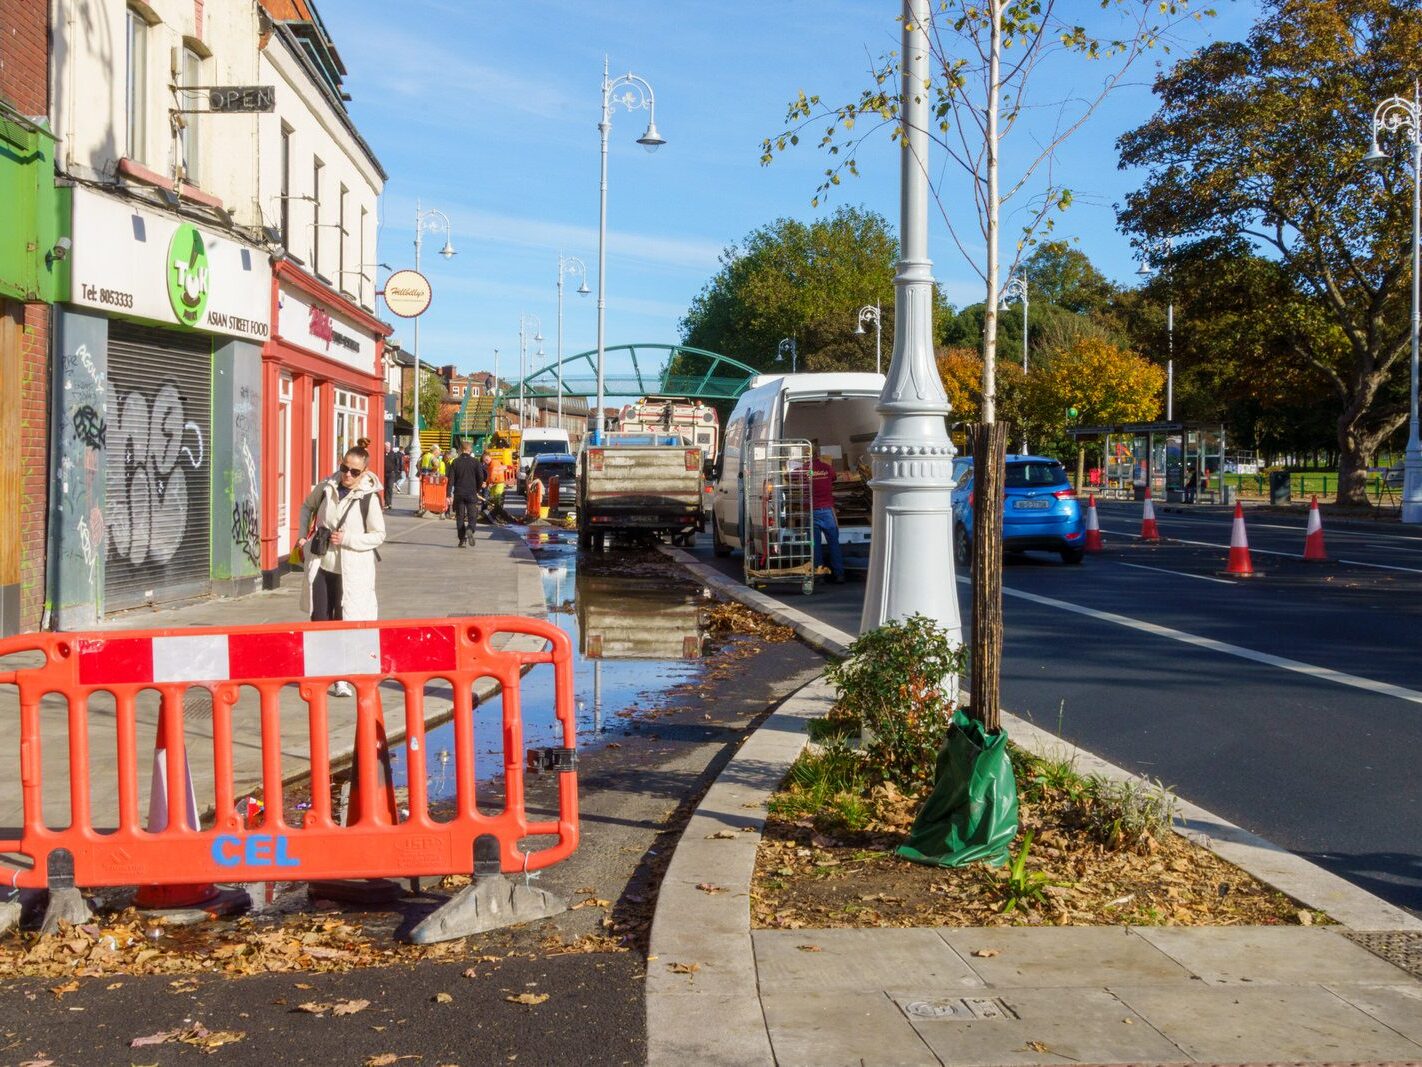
[
  {"x": 1401, "y": 948},
  {"x": 960, "y": 1009}
]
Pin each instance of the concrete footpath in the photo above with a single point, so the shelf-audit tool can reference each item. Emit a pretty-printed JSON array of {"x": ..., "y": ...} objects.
[
  {"x": 422, "y": 575},
  {"x": 1351, "y": 992}
]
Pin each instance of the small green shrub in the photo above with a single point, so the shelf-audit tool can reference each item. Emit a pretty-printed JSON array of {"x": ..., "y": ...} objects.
[
  {"x": 895, "y": 681},
  {"x": 1126, "y": 814},
  {"x": 1023, "y": 888},
  {"x": 821, "y": 780}
]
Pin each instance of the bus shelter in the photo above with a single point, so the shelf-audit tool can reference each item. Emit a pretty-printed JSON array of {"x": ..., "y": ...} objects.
[{"x": 1181, "y": 462}]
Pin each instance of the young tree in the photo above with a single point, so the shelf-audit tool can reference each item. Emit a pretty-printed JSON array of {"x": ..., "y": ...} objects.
[
  {"x": 432, "y": 396},
  {"x": 1260, "y": 140},
  {"x": 985, "y": 53}
]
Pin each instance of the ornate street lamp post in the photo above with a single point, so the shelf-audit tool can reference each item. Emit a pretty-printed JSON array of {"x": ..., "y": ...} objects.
[
  {"x": 1397, "y": 114},
  {"x": 523, "y": 361},
  {"x": 870, "y": 313},
  {"x": 638, "y": 94},
  {"x": 911, "y": 562},
  {"x": 788, "y": 347},
  {"x": 434, "y": 220},
  {"x": 570, "y": 265}
]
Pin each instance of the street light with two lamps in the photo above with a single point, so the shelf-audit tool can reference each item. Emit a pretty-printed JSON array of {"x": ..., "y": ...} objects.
[
  {"x": 1397, "y": 114},
  {"x": 434, "y": 220},
  {"x": 638, "y": 95},
  {"x": 570, "y": 265}
]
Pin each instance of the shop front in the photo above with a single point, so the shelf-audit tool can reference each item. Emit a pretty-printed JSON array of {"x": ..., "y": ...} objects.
[
  {"x": 323, "y": 377},
  {"x": 155, "y": 441}
]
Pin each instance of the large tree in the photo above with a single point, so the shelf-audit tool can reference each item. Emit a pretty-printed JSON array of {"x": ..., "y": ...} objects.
[
  {"x": 804, "y": 281},
  {"x": 1261, "y": 140}
]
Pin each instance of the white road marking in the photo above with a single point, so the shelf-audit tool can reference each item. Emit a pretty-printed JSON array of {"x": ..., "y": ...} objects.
[
  {"x": 1183, "y": 574},
  {"x": 1265, "y": 551},
  {"x": 1323, "y": 674}
]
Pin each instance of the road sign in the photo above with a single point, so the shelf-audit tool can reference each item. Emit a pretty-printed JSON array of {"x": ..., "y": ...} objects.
[
  {"x": 238, "y": 99},
  {"x": 407, "y": 293}
]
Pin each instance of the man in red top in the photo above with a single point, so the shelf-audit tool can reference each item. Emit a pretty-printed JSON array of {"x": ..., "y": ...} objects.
[{"x": 822, "y": 505}]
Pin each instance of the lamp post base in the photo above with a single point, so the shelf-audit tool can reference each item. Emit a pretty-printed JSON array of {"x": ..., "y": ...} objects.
[{"x": 1412, "y": 487}]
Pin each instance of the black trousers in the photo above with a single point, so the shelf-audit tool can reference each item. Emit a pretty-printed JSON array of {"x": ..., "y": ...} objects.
[
  {"x": 326, "y": 597},
  {"x": 466, "y": 515}
]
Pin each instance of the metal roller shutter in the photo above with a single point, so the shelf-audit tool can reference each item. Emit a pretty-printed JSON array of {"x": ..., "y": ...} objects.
[{"x": 159, "y": 467}]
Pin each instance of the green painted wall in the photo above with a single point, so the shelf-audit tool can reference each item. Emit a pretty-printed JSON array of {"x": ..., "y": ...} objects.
[{"x": 32, "y": 207}]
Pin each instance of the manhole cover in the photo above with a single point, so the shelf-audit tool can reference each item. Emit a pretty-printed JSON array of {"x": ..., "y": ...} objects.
[
  {"x": 1401, "y": 948},
  {"x": 963, "y": 1009}
]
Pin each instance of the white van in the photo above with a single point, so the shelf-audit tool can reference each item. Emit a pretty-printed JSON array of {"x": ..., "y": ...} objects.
[
  {"x": 538, "y": 441},
  {"x": 836, "y": 409}
]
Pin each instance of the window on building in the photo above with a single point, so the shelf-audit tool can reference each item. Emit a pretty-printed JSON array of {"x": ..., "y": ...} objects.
[
  {"x": 341, "y": 282},
  {"x": 190, "y": 141},
  {"x": 136, "y": 97},
  {"x": 285, "y": 185},
  {"x": 360, "y": 281},
  {"x": 316, "y": 167}
]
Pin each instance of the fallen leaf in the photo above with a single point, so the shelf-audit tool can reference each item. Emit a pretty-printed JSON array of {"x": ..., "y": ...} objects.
[
  {"x": 159, "y": 1038},
  {"x": 303, "y": 985},
  {"x": 37, "y": 1063},
  {"x": 684, "y": 968},
  {"x": 315, "y": 1007},
  {"x": 1036, "y": 1046},
  {"x": 527, "y": 998},
  {"x": 470, "y": 972},
  {"x": 63, "y": 988},
  {"x": 721, "y": 835},
  {"x": 708, "y": 887},
  {"x": 443, "y": 998},
  {"x": 349, "y": 1007},
  {"x": 986, "y": 953},
  {"x": 114, "y": 985},
  {"x": 809, "y": 948},
  {"x": 1305, "y": 918}
]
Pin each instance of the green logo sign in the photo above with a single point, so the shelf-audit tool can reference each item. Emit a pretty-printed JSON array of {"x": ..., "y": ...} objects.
[{"x": 188, "y": 274}]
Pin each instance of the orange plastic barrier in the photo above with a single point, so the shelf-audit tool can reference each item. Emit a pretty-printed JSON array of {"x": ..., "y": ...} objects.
[
  {"x": 265, "y": 658},
  {"x": 434, "y": 495}
]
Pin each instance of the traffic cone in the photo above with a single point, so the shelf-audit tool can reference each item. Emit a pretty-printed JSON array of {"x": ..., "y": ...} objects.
[
  {"x": 1241, "y": 565},
  {"x": 1149, "y": 530},
  {"x": 1093, "y": 527},
  {"x": 159, "y": 897},
  {"x": 1313, "y": 536}
]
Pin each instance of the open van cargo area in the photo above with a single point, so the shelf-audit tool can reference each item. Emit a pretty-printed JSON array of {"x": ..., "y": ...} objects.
[{"x": 845, "y": 427}]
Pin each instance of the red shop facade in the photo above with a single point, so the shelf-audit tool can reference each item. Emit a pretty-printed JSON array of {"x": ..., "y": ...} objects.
[{"x": 323, "y": 388}]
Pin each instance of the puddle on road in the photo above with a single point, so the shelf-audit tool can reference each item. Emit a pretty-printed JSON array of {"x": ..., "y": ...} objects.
[{"x": 637, "y": 629}]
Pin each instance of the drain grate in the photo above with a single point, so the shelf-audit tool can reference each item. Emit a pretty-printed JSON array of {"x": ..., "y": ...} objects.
[
  {"x": 1401, "y": 948},
  {"x": 960, "y": 1009}
]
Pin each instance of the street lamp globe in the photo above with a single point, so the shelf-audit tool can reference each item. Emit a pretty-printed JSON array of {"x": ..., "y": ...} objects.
[
  {"x": 1376, "y": 158},
  {"x": 583, "y": 289},
  {"x": 651, "y": 140},
  {"x": 448, "y": 250},
  {"x": 860, "y": 330}
]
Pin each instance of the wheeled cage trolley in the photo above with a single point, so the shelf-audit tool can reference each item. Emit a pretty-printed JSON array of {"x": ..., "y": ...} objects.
[{"x": 780, "y": 534}]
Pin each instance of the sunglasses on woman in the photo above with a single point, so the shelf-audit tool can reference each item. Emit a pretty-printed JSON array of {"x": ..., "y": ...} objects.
[{"x": 354, "y": 472}]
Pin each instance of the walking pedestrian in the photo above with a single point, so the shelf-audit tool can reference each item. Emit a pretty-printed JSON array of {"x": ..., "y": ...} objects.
[
  {"x": 393, "y": 463},
  {"x": 466, "y": 479},
  {"x": 822, "y": 508},
  {"x": 346, "y": 525}
]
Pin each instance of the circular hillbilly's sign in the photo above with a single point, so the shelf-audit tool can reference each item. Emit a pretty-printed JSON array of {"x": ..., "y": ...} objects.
[
  {"x": 187, "y": 274},
  {"x": 407, "y": 293}
]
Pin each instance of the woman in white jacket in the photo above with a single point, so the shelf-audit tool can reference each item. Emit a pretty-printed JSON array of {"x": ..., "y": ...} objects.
[{"x": 341, "y": 583}]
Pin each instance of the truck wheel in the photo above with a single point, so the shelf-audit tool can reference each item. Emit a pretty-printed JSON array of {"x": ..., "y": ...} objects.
[
  {"x": 718, "y": 547},
  {"x": 1072, "y": 555}
]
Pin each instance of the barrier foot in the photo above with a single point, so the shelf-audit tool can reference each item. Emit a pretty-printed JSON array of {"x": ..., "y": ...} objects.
[
  {"x": 488, "y": 904},
  {"x": 223, "y": 902},
  {"x": 66, "y": 904},
  {"x": 357, "y": 890},
  {"x": 9, "y": 916}
]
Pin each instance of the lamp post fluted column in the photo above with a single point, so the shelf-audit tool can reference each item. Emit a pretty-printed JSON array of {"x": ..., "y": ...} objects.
[
  {"x": 1395, "y": 114},
  {"x": 568, "y": 265},
  {"x": 424, "y": 220},
  {"x": 911, "y": 562},
  {"x": 1016, "y": 289},
  {"x": 638, "y": 95}
]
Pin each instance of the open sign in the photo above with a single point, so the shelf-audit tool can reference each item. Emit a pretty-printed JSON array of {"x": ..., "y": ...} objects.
[{"x": 241, "y": 98}]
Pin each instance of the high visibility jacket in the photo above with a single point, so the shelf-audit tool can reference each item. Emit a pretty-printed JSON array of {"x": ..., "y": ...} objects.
[{"x": 496, "y": 471}]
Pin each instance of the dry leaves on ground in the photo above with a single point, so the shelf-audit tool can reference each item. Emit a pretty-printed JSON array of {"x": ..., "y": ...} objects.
[
  {"x": 198, "y": 1036},
  {"x": 526, "y": 998},
  {"x": 729, "y": 617},
  {"x": 338, "y": 1007}
]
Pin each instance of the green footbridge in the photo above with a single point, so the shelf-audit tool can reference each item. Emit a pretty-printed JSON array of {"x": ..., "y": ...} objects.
[{"x": 628, "y": 371}]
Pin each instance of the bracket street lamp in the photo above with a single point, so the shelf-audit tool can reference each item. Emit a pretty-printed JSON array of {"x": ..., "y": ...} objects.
[
  {"x": 1016, "y": 289},
  {"x": 570, "y": 265},
  {"x": 1152, "y": 252},
  {"x": 1399, "y": 115},
  {"x": 787, "y": 346},
  {"x": 870, "y": 313},
  {"x": 638, "y": 95},
  {"x": 911, "y": 561},
  {"x": 435, "y": 221},
  {"x": 523, "y": 361}
]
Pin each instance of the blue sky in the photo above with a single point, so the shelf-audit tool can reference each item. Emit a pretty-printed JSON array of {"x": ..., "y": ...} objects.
[{"x": 488, "y": 111}]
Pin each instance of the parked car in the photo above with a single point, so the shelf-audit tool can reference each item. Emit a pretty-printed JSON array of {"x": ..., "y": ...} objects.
[
  {"x": 560, "y": 465},
  {"x": 1040, "y": 510}
]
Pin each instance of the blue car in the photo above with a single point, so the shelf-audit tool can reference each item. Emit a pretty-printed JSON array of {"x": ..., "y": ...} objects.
[{"x": 1039, "y": 510}]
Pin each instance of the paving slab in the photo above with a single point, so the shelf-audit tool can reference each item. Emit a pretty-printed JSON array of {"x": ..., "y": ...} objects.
[
  {"x": 858, "y": 960},
  {"x": 1271, "y": 954},
  {"x": 1399, "y": 1007},
  {"x": 829, "y": 1029},
  {"x": 1236, "y": 1024},
  {"x": 1062, "y": 955},
  {"x": 1035, "y": 1026},
  {"x": 710, "y": 1030}
]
